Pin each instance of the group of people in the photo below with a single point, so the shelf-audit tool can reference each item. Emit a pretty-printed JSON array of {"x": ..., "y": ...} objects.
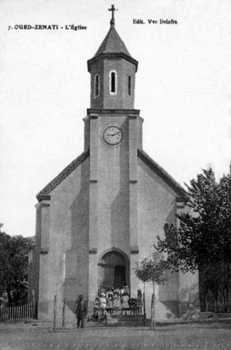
[
  {"x": 115, "y": 300},
  {"x": 108, "y": 301}
]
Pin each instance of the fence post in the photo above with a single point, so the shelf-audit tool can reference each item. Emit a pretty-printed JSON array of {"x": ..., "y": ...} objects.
[
  {"x": 54, "y": 312},
  {"x": 63, "y": 313},
  {"x": 153, "y": 311},
  {"x": 36, "y": 309},
  {"x": 144, "y": 307}
]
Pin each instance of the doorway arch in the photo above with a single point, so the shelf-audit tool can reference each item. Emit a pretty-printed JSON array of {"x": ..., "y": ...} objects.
[{"x": 113, "y": 269}]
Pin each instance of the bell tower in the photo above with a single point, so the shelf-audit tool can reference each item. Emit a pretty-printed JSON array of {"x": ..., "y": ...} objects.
[
  {"x": 113, "y": 135},
  {"x": 112, "y": 72}
]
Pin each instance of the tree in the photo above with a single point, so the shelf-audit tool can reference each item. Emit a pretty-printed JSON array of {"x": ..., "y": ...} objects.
[
  {"x": 152, "y": 270},
  {"x": 202, "y": 240},
  {"x": 13, "y": 266}
]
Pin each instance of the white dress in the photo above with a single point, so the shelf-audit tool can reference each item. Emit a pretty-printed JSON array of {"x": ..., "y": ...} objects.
[
  {"x": 103, "y": 302},
  {"x": 125, "y": 299},
  {"x": 116, "y": 302}
]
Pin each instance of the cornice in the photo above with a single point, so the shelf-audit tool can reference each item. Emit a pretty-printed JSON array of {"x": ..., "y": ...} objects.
[
  {"x": 111, "y": 55},
  {"x": 132, "y": 113}
]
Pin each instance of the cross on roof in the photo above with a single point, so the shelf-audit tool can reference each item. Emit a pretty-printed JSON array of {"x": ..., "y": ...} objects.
[{"x": 112, "y": 9}]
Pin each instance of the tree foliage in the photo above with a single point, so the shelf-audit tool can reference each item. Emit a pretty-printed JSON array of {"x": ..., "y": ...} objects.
[
  {"x": 202, "y": 240},
  {"x": 14, "y": 266},
  {"x": 151, "y": 269}
]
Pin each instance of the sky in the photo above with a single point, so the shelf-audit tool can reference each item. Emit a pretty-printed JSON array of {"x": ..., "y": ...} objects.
[{"x": 183, "y": 89}]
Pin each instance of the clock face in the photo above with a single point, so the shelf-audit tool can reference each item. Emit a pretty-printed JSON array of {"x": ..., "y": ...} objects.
[{"x": 112, "y": 135}]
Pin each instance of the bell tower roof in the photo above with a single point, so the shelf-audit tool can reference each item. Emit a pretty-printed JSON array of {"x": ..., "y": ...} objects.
[{"x": 112, "y": 45}]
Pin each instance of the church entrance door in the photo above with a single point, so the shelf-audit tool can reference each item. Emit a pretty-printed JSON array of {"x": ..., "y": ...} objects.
[
  {"x": 113, "y": 271},
  {"x": 119, "y": 276}
]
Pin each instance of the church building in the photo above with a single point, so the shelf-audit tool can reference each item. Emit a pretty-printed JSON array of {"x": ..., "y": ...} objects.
[{"x": 101, "y": 215}]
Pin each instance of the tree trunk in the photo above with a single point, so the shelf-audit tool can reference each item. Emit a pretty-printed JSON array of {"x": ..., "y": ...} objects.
[
  {"x": 201, "y": 290},
  {"x": 9, "y": 296},
  {"x": 153, "y": 320},
  {"x": 206, "y": 303}
]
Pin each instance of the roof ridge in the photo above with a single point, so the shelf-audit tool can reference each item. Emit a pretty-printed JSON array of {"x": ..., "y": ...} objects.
[
  {"x": 163, "y": 173},
  {"x": 45, "y": 192}
]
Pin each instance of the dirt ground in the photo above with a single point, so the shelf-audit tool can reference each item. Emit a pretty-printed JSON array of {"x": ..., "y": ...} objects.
[{"x": 175, "y": 337}]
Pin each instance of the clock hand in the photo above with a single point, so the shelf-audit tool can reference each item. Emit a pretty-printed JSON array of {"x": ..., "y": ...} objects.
[{"x": 115, "y": 133}]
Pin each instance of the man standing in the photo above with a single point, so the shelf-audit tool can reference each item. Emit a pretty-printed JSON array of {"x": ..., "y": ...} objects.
[{"x": 81, "y": 311}]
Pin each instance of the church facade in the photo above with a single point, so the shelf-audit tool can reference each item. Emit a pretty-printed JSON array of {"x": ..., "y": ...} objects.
[{"x": 100, "y": 216}]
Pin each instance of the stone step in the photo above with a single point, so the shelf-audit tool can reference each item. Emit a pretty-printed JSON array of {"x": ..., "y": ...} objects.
[
  {"x": 131, "y": 317},
  {"x": 117, "y": 324},
  {"x": 119, "y": 320}
]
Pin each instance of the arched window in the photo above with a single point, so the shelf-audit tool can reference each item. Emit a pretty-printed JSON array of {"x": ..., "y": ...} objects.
[
  {"x": 113, "y": 82},
  {"x": 96, "y": 85},
  {"x": 129, "y": 85}
]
